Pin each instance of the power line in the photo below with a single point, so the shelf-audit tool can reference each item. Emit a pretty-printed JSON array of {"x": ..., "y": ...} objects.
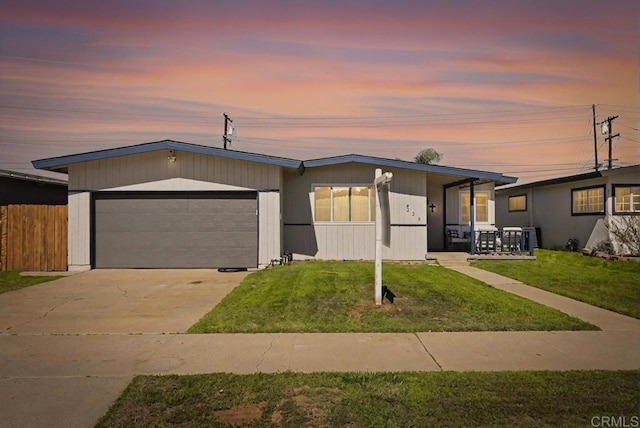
[{"x": 276, "y": 121}]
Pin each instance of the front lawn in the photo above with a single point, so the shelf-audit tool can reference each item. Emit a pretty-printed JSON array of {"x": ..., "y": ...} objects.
[
  {"x": 10, "y": 281},
  {"x": 520, "y": 399},
  {"x": 613, "y": 285},
  {"x": 337, "y": 296}
]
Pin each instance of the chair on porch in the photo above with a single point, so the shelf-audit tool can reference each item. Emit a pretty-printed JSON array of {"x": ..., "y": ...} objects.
[
  {"x": 487, "y": 239},
  {"x": 512, "y": 239},
  {"x": 458, "y": 237}
]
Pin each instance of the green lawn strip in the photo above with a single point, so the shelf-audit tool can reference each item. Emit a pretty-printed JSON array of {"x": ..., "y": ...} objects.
[
  {"x": 10, "y": 281},
  {"x": 613, "y": 285},
  {"x": 337, "y": 296},
  {"x": 571, "y": 398}
]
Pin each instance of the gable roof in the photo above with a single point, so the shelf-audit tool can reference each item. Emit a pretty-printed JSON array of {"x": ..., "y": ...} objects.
[
  {"x": 396, "y": 163},
  {"x": 61, "y": 163},
  {"x": 571, "y": 178}
]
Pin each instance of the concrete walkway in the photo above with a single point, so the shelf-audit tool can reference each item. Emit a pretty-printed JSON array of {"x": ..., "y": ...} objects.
[{"x": 71, "y": 379}]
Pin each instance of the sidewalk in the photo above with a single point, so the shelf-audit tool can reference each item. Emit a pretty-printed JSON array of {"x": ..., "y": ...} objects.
[{"x": 71, "y": 380}]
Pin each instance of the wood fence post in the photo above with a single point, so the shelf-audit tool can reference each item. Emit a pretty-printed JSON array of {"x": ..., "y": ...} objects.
[{"x": 3, "y": 238}]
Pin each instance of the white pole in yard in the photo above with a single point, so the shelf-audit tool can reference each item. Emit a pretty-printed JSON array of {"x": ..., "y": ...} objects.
[{"x": 380, "y": 180}]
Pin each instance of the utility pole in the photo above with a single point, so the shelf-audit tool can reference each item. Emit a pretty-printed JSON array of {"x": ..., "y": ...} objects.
[
  {"x": 228, "y": 130},
  {"x": 595, "y": 137},
  {"x": 606, "y": 129}
]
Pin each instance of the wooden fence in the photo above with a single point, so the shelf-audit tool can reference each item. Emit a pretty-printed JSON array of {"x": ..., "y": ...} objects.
[{"x": 33, "y": 238}]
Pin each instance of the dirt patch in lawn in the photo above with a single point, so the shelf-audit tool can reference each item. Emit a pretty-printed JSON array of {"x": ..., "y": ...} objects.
[
  {"x": 399, "y": 304},
  {"x": 241, "y": 414},
  {"x": 309, "y": 407}
]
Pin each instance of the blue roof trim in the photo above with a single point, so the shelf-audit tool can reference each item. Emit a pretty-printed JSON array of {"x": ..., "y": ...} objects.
[
  {"x": 570, "y": 178},
  {"x": 394, "y": 163},
  {"x": 61, "y": 162}
]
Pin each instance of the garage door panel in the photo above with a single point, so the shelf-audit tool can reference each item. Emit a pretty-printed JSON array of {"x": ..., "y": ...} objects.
[
  {"x": 160, "y": 223},
  {"x": 175, "y": 230},
  {"x": 115, "y": 206},
  {"x": 172, "y": 240},
  {"x": 213, "y": 206}
]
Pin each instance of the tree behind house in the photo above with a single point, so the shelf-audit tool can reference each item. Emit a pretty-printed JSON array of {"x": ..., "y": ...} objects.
[{"x": 428, "y": 156}]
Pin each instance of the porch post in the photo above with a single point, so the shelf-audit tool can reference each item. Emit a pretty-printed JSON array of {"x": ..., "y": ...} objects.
[{"x": 472, "y": 217}]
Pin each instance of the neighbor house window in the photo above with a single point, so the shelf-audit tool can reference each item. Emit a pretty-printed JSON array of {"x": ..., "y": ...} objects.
[
  {"x": 626, "y": 199},
  {"x": 587, "y": 200},
  {"x": 482, "y": 207},
  {"x": 344, "y": 203},
  {"x": 517, "y": 203}
]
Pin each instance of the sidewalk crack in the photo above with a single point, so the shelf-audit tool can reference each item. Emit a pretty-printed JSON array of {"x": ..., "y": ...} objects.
[
  {"x": 264, "y": 354},
  {"x": 427, "y": 351}
]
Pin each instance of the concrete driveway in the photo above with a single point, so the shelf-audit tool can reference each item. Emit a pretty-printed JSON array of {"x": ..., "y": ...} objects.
[{"x": 116, "y": 301}]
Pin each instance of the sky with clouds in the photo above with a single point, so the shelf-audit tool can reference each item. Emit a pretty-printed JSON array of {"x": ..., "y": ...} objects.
[{"x": 498, "y": 85}]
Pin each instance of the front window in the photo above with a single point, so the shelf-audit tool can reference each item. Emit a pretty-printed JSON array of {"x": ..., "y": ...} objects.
[
  {"x": 587, "y": 200},
  {"x": 482, "y": 207},
  {"x": 344, "y": 203},
  {"x": 517, "y": 203},
  {"x": 627, "y": 199}
]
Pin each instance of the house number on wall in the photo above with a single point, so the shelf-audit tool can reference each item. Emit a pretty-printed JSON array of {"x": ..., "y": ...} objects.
[{"x": 413, "y": 213}]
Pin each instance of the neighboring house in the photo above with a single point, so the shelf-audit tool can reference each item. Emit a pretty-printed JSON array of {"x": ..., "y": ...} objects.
[
  {"x": 570, "y": 207},
  {"x": 20, "y": 188},
  {"x": 172, "y": 204}
]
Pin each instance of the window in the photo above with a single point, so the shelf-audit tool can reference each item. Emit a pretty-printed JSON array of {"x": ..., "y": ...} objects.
[
  {"x": 344, "y": 204},
  {"x": 517, "y": 203},
  {"x": 482, "y": 207},
  {"x": 587, "y": 200},
  {"x": 626, "y": 198}
]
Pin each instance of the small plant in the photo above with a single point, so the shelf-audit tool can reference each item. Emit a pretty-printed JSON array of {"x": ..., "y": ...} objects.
[
  {"x": 603, "y": 247},
  {"x": 572, "y": 244}
]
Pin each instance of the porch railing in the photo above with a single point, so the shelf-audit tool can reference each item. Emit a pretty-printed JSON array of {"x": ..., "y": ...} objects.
[{"x": 508, "y": 240}]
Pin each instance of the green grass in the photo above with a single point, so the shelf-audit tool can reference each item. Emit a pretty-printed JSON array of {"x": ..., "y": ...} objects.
[
  {"x": 613, "y": 285},
  {"x": 337, "y": 296},
  {"x": 520, "y": 399},
  {"x": 10, "y": 281}
]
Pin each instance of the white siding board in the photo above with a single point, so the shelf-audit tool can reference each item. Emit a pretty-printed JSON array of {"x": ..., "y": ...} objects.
[
  {"x": 154, "y": 166},
  {"x": 179, "y": 184},
  {"x": 269, "y": 227},
  {"x": 78, "y": 257}
]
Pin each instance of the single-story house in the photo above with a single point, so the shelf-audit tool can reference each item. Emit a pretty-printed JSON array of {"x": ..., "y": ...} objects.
[
  {"x": 179, "y": 205},
  {"x": 570, "y": 207},
  {"x": 20, "y": 188}
]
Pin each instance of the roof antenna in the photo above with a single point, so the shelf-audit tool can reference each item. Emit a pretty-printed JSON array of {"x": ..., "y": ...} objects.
[{"x": 228, "y": 131}]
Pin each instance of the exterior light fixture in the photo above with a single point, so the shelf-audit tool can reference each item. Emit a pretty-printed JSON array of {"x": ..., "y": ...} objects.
[{"x": 172, "y": 156}]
